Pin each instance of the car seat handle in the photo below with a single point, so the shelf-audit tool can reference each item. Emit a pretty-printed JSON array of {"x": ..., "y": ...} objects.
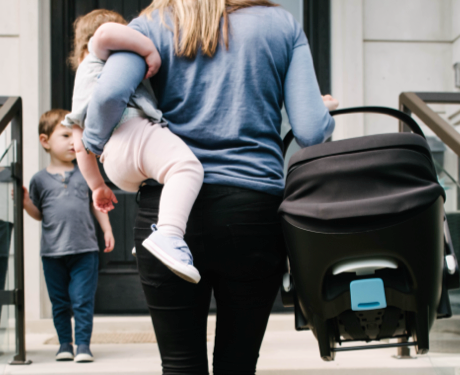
[{"x": 404, "y": 117}]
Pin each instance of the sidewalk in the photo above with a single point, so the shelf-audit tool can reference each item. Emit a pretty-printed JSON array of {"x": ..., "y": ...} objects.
[{"x": 284, "y": 351}]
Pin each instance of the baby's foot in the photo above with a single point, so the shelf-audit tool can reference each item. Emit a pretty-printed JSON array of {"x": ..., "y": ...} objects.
[{"x": 174, "y": 253}]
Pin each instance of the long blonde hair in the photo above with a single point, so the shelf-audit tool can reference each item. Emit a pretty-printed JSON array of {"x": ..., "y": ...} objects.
[
  {"x": 85, "y": 27},
  {"x": 197, "y": 22}
]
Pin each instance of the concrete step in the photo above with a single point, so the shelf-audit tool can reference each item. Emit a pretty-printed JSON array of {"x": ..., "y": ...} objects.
[{"x": 284, "y": 351}]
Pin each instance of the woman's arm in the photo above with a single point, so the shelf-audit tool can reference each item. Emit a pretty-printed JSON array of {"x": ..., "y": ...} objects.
[
  {"x": 120, "y": 77},
  {"x": 310, "y": 119},
  {"x": 102, "y": 195},
  {"x": 116, "y": 37}
]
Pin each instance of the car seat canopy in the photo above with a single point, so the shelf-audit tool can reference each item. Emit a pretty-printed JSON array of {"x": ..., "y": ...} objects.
[{"x": 360, "y": 184}]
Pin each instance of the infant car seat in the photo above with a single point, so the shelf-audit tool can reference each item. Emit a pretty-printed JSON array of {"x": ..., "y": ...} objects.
[{"x": 370, "y": 256}]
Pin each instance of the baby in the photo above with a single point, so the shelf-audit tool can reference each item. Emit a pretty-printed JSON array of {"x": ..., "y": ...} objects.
[{"x": 141, "y": 146}]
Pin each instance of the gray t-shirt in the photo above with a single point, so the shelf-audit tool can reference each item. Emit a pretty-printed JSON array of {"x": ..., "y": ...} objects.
[{"x": 67, "y": 225}]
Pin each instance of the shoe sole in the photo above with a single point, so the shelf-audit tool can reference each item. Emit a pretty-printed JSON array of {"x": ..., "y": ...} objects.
[
  {"x": 82, "y": 358},
  {"x": 65, "y": 356},
  {"x": 186, "y": 272}
]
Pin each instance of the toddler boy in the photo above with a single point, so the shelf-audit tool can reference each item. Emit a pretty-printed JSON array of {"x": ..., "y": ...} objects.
[{"x": 59, "y": 197}]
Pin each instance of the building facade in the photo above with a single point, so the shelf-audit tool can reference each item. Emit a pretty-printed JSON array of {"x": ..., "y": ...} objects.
[{"x": 377, "y": 50}]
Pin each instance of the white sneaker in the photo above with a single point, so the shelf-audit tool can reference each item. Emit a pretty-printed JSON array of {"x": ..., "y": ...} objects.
[{"x": 174, "y": 253}]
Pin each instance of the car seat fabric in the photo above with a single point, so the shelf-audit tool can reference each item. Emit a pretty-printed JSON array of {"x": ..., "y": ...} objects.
[{"x": 360, "y": 184}]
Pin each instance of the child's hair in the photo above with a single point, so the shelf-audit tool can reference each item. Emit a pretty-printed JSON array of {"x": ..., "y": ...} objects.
[
  {"x": 85, "y": 27},
  {"x": 49, "y": 120}
]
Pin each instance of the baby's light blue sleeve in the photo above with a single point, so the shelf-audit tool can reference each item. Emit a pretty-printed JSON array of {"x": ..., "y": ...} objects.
[
  {"x": 120, "y": 77},
  {"x": 310, "y": 119}
]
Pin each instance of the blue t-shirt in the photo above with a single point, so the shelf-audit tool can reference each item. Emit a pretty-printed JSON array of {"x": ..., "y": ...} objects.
[
  {"x": 67, "y": 224},
  {"x": 226, "y": 108}
]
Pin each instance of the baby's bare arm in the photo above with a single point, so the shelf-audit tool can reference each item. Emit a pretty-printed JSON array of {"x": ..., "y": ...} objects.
[
  {"x": 111, "y": 37},
  {"x": 86, "y": 161},
  {"x": 102, "y": 195}
]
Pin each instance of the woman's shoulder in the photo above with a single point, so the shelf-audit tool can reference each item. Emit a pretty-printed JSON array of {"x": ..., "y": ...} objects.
[
  {"x": 146, "y": 23},
  {"x": 275, "y": 18},
  {"x": 276, "y": 13},
  {"x": 275, "y": 23}
]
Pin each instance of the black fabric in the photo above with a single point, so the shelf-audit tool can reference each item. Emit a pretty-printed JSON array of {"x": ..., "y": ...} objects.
[
  {"x": 360, "y": 184},
  {"x": 236, "y": 239},
  {"x": 353, "y": 326},
  {"x": 5, "y": 237},
  {"x": 390, "y": 322}
]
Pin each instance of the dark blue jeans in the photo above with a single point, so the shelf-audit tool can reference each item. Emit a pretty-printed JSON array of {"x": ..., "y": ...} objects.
[{"x": 72, "y": 283}]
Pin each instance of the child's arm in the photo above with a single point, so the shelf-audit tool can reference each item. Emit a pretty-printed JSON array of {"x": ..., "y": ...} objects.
[
  {"x": 116, "y": 37},
  {"x": 104, "y": 222},
  {"x": 30, "y": 207},
  {"x": 102, "y": 195}
]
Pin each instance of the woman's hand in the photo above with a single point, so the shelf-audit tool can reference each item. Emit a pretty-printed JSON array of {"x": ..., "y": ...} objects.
[
  {"x": 330, "y": 102},
  {"x": 103, "y": 199}
]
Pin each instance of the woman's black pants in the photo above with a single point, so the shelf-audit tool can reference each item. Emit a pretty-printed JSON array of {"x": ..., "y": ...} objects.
[{"x": 236, "y": 240}]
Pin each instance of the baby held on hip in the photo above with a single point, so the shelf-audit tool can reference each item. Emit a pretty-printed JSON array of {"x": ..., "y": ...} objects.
[{"x": 133, "y": 155}]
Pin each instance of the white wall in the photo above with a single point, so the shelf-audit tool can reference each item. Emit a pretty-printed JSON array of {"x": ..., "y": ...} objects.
[
  {"x": 407, "y": 47},
  {"x": 24, "y": 71},
  {"x": 347, "y": 64},
  {"x": 379, "y": 49},
  {"x": 455, "y": 34},
  {"x": 382, "y": 48}
]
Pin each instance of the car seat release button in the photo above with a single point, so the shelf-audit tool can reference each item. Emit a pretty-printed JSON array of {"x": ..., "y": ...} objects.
[{"x": 367, "y": 294}]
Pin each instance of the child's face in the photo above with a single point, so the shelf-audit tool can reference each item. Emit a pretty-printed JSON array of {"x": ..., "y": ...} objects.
[{"x": 60, "y": 143}]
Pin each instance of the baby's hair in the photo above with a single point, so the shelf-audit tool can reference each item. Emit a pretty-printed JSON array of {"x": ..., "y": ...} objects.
[
  {"x": 49, "y": 120},
  {"x": 85, "y": 27}
]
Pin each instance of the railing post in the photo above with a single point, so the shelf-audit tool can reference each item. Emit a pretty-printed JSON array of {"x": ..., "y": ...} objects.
[
  {"x": 403, "y": 128},
  {"x": 16, "y": 136}
]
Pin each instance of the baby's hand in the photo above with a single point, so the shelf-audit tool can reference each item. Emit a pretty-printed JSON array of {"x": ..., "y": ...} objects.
[
  {"x": 330, "y": 102},
  {"x": 103, "y": 198},
  {"x": 153, "y": 61}
]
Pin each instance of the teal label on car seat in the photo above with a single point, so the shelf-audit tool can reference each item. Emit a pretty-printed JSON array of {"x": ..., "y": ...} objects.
[{"x": 367, "y": 294}]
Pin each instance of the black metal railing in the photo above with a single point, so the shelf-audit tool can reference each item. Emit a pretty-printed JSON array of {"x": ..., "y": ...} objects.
[{"x": 11, "y": 113}]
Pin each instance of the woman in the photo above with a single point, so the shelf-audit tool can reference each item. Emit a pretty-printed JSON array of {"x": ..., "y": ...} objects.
[{"x": 227, "y": 67}]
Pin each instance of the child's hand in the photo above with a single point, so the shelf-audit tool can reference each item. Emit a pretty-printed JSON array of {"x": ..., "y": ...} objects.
[
  {"x": 103, "y": 198},
  {"x": 26, "y": 197},
  {"x": 153, "y": 61},
  {"x": 330, "y": 102},
  {"x": 109, "y": 241}
]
